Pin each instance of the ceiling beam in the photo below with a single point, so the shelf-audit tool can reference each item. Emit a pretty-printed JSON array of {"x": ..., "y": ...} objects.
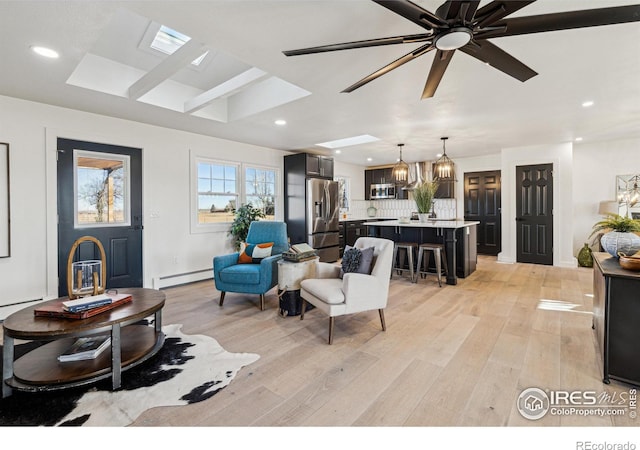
[
  {"x": 228, "y": 87},
  {"x": 167, "y": 67}
]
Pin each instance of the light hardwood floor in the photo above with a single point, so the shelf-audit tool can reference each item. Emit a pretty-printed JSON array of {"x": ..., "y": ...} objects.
[{"x": 451, "y": 356}]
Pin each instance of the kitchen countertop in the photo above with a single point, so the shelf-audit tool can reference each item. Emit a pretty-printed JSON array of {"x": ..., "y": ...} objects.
[
  {"x": 357, "y": 219},
  {"x": 429, "y": 224}
]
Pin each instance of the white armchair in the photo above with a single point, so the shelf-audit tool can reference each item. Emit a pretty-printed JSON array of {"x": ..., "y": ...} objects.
[{"x": 355, "y": 292}]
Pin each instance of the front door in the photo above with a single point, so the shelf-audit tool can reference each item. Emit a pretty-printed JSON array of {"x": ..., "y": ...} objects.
[
  {"x": 534, "y": 214},
  {"x": 100, "y": 195},
  {"x": 482, "y": 202}
]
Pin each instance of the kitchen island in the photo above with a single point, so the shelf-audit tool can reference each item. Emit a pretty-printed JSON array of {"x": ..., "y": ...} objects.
[{"x": 458, "y": 236}]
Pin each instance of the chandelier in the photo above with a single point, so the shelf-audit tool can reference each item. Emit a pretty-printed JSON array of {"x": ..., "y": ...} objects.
[
  {"x": 401, "y": 170},
  {"x": 443, "y": 168}
]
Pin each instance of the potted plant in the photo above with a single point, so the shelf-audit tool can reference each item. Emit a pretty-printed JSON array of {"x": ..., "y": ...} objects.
[
  {"x": 244, "y": 215},
  {"x": 423, "y": 195},
  {"x": 619, "y": 234}
]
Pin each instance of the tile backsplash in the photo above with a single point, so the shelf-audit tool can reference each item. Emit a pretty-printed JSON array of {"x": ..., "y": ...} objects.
[{"x": 445, "y": 208}]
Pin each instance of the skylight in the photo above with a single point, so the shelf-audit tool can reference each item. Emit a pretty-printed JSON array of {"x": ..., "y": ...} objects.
[
  {"x": 168, "y": 40},
  {"x": 355, "y": 140}
]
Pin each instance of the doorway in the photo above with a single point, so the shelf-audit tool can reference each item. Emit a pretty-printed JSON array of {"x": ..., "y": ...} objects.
[
  {"x": 482, "y": 203},
  {"x": 100, "y": 195},
  {"x": 534, "y": 214}
]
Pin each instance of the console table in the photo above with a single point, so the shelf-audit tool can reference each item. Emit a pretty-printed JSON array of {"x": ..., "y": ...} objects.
[
  {"x": 40, "y": 370},
  {"x": 616, "y": 311}
]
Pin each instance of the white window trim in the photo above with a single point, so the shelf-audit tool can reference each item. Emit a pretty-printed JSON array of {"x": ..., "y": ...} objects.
[
  {"x": 127, "y": 188},
  {"x": 241, "y": 167}
]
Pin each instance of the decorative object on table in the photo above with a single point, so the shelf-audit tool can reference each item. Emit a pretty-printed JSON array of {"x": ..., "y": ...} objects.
[
  {"x": 371, "y": 210},
  {"x": 400, "y": 170},
  {"x": 423, "y": 195},
  {"x": 631, "y": 262},
  {"x": 300, "y": 252},
  {"x": 57, "y": 309},
  {"x": 187, "y": 369},
  {"x": 243, "y": 217},
  {"x": 619, "y": 234},
  {"x": 86, "y": 277},
  {"x": 443, "y": 168},
  {"x": 86, "y": 348},
  {"x": 585, "y": 258}
]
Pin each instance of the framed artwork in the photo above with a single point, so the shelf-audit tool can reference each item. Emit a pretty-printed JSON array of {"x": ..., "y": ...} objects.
[{"x": 5, "y": 217}]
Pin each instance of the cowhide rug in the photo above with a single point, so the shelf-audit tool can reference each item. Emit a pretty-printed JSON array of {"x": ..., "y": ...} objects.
[{"x": 188, "y": 369}]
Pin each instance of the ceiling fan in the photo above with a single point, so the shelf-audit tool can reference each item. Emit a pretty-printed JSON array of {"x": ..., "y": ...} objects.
[{"x": 461, "y": 25}]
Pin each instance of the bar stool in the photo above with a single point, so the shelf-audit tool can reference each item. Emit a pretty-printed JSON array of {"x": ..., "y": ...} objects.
[
  {"x": 398, "y": 266},
  {"x": 440, "y": 258}
]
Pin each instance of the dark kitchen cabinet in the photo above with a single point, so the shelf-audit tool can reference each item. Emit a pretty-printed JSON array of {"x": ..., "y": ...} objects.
[
  {"x": 381, "y": 176},
  {"x": 319, "y": 166},
  {"x": 616, "y": 311},
  {"x": 350, "y": 231}
]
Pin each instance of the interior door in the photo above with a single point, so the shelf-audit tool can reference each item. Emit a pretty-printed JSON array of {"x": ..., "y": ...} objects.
[
  {"x": 534, "y": 214},
  {"x": 482, "y": 200},
  {"x": 100, "y": 195}
]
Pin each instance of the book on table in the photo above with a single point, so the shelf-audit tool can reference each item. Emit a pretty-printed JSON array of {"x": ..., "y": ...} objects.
[
  {"x": 85, "y": 303},
  {"x": 86, "y": 348},
  {"x": 57, "y": 309}
]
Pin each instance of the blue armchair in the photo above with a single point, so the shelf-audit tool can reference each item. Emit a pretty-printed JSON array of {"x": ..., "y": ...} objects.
[{"x": 258, "y": 278}]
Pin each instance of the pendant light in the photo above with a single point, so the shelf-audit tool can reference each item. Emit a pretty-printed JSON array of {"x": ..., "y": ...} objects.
[
  {"x": 401, "y": 170},
  {"x": 443, "y": 168}
]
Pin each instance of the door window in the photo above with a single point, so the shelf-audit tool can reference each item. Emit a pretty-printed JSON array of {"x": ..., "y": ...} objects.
[{"x": 101, "y": 189}]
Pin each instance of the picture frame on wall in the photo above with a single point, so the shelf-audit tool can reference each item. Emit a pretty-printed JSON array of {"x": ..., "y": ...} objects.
[{"x": 5, "y": 210}]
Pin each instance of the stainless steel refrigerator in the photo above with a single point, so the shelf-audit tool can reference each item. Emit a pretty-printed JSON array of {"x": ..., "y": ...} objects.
[{"x": 322, "y": 213}]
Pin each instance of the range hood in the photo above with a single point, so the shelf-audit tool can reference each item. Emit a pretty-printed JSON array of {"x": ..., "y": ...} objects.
[{"x": 418, "y": 172}]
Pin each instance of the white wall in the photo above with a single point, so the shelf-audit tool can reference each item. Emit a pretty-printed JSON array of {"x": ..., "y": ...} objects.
[
  {"x": 32, "y": 128},
  {"x": 355, "y": 174},
  {"x": 595, "y": 167}
]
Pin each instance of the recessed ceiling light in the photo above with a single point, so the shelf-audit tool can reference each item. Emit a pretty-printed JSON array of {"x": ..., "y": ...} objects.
[
  {"x": 280, "y": 122},
  {"x": 578, "y": 139},
  {"x": 44, "y": 51},
  {"x": 337, "y": 152},
  {"x": 587, "y": 104},
  {"x": 355, "y": 140},
  {"x": 369, "y": 159},
  {"x": 438, "y": 155}
]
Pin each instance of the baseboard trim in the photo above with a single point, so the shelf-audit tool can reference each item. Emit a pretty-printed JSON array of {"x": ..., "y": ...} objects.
[{"x": 182, "y": 278}]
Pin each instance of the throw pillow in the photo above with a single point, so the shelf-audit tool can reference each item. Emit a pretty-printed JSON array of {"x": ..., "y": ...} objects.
[
  {"x": 350, "y": 261},
  {"x": 365, "y": 260},
  {"x": 254, "y": 253}
]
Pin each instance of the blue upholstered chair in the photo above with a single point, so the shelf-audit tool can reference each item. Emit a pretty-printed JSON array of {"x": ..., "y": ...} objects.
[{"x": 258, "y": 278}]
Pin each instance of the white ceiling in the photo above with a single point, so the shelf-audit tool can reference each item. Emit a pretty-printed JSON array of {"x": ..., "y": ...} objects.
[{"x": 479, "y": 108}]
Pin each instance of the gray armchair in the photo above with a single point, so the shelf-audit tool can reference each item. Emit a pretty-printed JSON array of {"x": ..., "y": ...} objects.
[{"x": 355, "y": 292}]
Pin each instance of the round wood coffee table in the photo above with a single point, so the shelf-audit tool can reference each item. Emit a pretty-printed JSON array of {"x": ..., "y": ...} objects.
[{"x": 40, "y": 370}]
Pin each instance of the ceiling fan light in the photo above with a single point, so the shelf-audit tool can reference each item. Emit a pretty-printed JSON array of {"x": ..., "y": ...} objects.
[{"x": 456, "y": 38}]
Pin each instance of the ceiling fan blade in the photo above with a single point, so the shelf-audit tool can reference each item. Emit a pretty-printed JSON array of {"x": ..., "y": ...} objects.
[
  {"x": 498, "y": 9},
  {"x": 440, "y": 63},
  {"x": 389, "y": 67},
  {"x": 563, "y": 21},
  {"x": 414, "y": 13},
  {"x": 486, "y": 52},
  {"x": 361, "y": 44},
  {"x": 461, "y": 9}
]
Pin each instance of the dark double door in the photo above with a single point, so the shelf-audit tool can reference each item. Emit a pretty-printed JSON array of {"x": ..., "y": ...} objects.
[
  {"x": 534, "y": 214},
  {"x": 100, "y": 195},
  {"x": 482, "y": 203}
]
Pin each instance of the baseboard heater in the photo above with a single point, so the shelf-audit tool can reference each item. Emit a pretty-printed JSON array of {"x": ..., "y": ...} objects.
[{"x": 182, "y": 278}]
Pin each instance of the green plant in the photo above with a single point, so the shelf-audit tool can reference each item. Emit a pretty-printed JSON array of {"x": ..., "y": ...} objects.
[
  {"x": 616, "y": 222},
  {"x": 423, "y": 195},
  {"x": 244, "y": 215}
]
